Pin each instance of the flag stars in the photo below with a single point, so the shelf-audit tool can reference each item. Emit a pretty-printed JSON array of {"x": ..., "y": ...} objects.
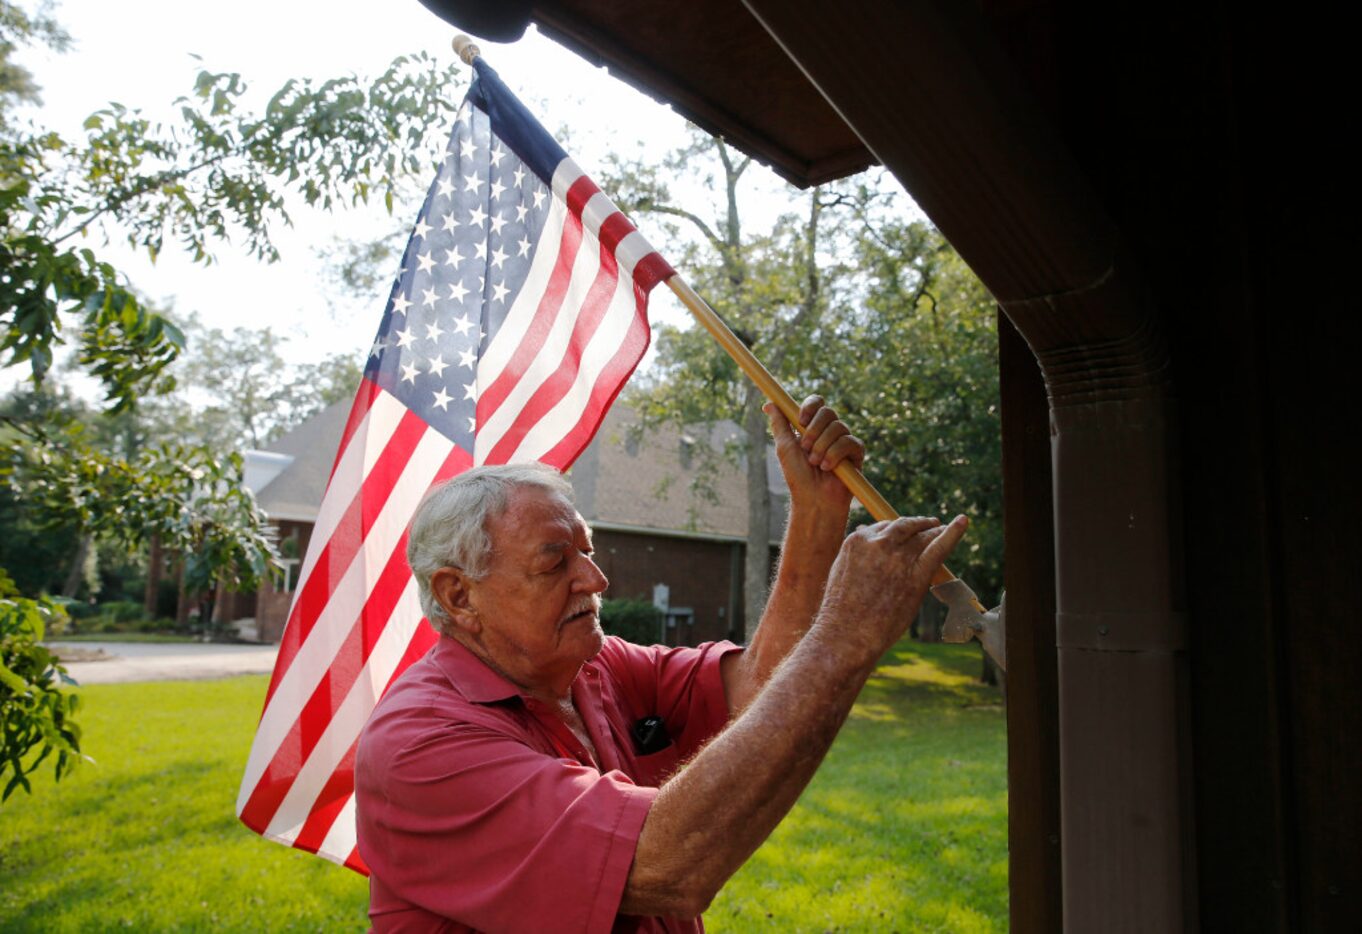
[
  {"x": 471, "y": 181},
  {"x": 445, "y": 186},
  {"x": 498, "y": 222},
  {"x": 442, "y": 399},
  {"x": 401, "y": 303},
  {"x": 470, "y": 390},
  {"x": 538, "y": 197},
  {"x": 477, "y": 216},
  {"x": 405, "y": 337},
  {"x": 519, "y": 175},
  {"x": 437, "y": 366},
  {"x": 468, "y": 358},
  {"x": 447, "y": 222},
  {"x": 466, "y": 148},
  {"x": 497, "y": 155},
  {"x": 425, "y": 261},
  {"x": 377, "y": 349},
  {"x": 520, "y": 212},
  {"x": 453, "y": 257},
  {"x": 462, "y": 324},
  {"x": 433, "y": 331},
  {"x": 422, "y": 228},
  {"x": 498, "y": 258},
  {"x": 457, "y": 291},
  {"x": 480, "y": 250},
  {"x": 497, "y": 189},
  {"x": 428, "y": 297},
  {"x": 499, "y": 292},
  {"x": 523, "y": 245},
  {"x": 409, "y": 372}
]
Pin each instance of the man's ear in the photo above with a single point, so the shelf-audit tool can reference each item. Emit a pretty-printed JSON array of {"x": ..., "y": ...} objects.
[{"x": 450, "y": 588}]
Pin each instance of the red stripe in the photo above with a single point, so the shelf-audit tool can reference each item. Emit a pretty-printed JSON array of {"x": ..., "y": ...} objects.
[
  {"x": 364, "y": 400},
  {"x": 339, "y": 552},
  {"x": 553, "y": 389},
  {"x": 341, "y": 784},
  {"x": 549, "y": 305},
  {"x": 608, "y": 385},
  {"x": 339, "y": 677},
  {"x": 353, "y": 861}
]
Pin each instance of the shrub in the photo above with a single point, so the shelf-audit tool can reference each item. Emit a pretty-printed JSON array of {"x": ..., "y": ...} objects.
[
  {"x": 35, "y": 713},
  {"x": 122, "y": 611},
  {"x": 635, "y": 620}
]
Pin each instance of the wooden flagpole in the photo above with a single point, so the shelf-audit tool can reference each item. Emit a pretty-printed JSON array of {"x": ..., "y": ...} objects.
[{"x": 847, "y": 472}]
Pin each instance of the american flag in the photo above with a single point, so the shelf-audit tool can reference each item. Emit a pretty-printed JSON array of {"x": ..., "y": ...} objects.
[{"x": 519, "y": 312}]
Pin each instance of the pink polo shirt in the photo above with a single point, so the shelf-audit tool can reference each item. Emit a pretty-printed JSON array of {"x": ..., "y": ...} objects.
[{"x": 479, "y": 810}]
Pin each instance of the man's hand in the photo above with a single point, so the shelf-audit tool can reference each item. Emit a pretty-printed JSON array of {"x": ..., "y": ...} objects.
[
  {"x": 881, "y": 576},
  {"x": 808, "y": 461},
  {"x": 712, "y": 815}
]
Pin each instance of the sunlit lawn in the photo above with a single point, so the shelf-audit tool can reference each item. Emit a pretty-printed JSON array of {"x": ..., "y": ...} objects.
[{"x": 903, "y": 829}]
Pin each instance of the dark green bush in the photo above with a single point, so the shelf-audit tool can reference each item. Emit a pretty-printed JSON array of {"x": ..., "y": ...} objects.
[
  {"x": 122, "y": 611},
  {"x": 35, "y": 713},
  {"x": 637, "y": 621}
]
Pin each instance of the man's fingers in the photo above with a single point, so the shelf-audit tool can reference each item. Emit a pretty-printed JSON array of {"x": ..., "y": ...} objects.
[
  {"x": 847, "y": 447},
  {"x": 780, "y": 426},
  {"x": 811, "y": 405},
  {"x": 815, "y": 427},
  {"x": 942, "y": 544}
]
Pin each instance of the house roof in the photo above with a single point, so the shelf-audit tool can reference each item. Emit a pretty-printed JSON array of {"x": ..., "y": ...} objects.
[
  {"x": 295, "y": 493},
  {"x": 620, "y": 481}
]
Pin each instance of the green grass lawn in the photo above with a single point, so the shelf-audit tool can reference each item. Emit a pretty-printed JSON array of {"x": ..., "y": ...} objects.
[
  {"x": 903, "y": 829},
  {"x": 122, "y": 637}
]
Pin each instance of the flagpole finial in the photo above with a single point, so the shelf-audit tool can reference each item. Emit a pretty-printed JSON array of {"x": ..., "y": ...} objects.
[{"x": 465, "y": 48}]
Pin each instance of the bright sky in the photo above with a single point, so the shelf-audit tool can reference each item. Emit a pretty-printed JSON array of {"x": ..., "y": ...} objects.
[{"x": 140, "y": 53}]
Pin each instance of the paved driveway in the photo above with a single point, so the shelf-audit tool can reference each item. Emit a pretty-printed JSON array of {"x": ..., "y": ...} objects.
[{"x": 166, "y": 661}]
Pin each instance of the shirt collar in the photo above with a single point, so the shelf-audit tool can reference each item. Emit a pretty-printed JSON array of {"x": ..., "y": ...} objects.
[{"x": 470, "y": 674}]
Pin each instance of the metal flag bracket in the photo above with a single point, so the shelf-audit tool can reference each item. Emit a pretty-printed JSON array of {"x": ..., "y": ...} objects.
[{"x": 964, "y": 621}]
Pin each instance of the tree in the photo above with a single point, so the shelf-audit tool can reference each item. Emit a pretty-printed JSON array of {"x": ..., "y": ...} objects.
[
  {"x": 769, "y": 288},
  {"x": 35, "y": 713},
  {"x": 235, "y": 391},
  {"x": 848, "y": 299}
]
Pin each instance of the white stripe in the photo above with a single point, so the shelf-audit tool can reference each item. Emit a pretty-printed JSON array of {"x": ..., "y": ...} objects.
[
  {"x": 368, "y": 441},
  {"x": 349, "y": 718},
  {"x": 340, "y": 839},
  {"x": 342, "y": 608},
  {"x": 518, "y": 319},
  {"x": 604, "y": 345},
  {"x": 550, "y": 353}
]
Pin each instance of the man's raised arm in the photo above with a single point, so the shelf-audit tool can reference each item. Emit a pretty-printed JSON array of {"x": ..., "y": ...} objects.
[
  {"x": 819, "y": 504},
  {"x": 710, "y": 817}
]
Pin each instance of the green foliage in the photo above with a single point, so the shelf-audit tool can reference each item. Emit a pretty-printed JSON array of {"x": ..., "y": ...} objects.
[
  {"x": 916, "y": 376},
  {"x": 193, "y": 500},
  {"x": 235, "y": 391},
  {"x": 35, "y": 713},
  {"x": 216, "y": 173},
  {"x": 637, "y": 621}
]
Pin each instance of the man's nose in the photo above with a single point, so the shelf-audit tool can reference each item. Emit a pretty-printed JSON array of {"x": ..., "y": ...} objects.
[{"x": 590, "y": 578}]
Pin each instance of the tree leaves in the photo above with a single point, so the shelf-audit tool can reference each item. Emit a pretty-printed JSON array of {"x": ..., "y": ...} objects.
[{"x": 36, "y": 715}]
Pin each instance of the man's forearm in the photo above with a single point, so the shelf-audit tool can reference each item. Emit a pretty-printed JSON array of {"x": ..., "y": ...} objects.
[
  {"x": 712, "y": 816},
  {"x": 810, "y": 547}
]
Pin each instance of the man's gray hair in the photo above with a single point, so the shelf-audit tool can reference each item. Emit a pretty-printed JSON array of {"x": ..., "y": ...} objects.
[{"x": 450, "y": 526}]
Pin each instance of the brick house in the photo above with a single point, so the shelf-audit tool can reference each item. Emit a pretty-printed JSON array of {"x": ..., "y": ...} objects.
[{"x": 655, "y": 538}]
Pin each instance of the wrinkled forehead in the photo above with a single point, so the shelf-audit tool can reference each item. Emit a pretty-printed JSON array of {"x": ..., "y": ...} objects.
[{"x": 533, "y": 518}]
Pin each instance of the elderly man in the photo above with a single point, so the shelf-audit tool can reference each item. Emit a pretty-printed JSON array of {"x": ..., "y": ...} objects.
[{"x": 532, "y": 774}]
